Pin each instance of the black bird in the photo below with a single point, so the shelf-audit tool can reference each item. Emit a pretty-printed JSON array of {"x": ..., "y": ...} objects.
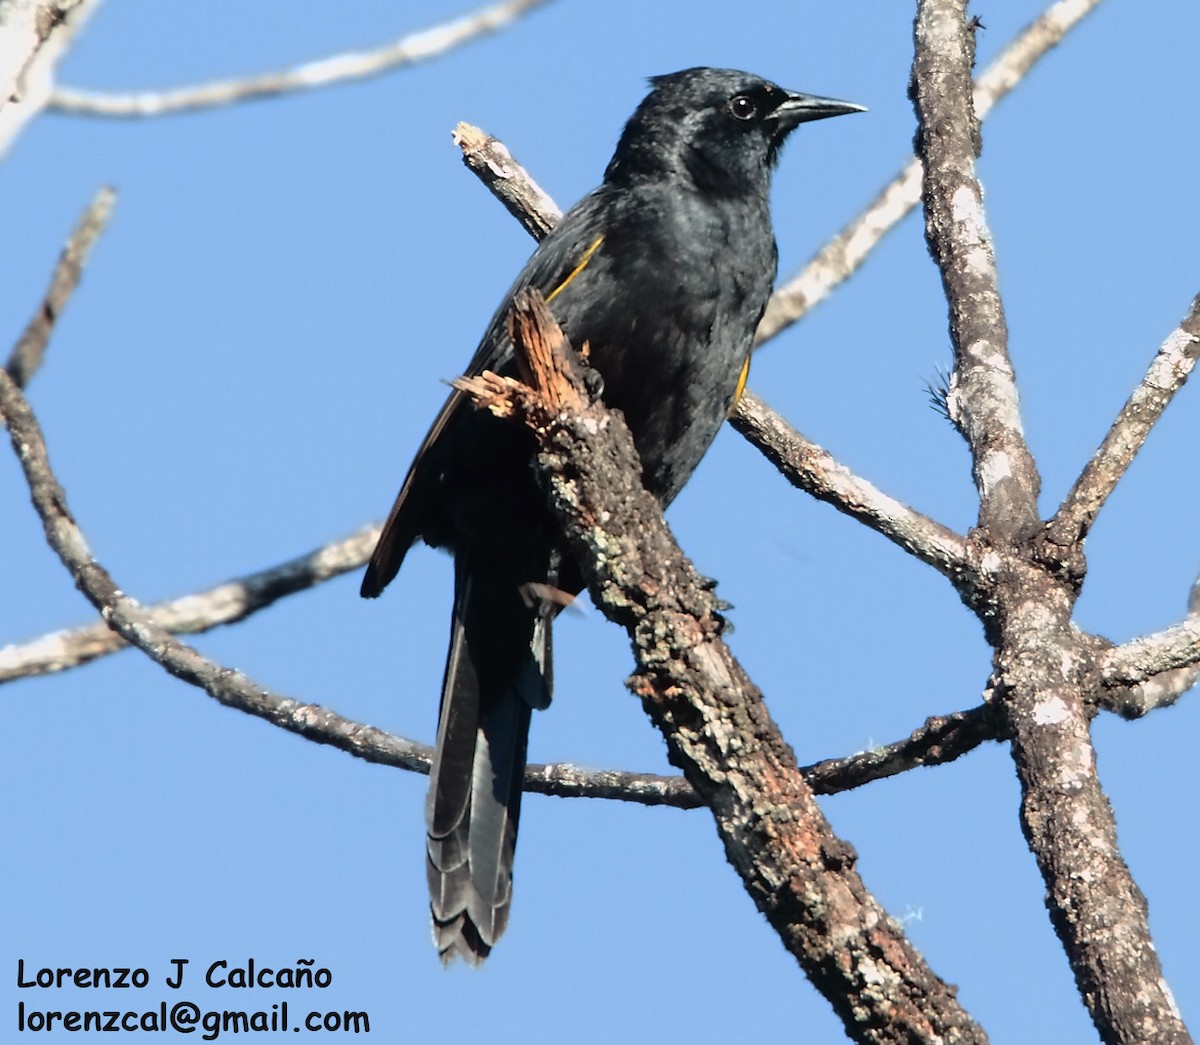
[{"x": 664, "y": 271}]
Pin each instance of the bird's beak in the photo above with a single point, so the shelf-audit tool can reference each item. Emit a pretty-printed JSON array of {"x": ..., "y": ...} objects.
[{"x": 803, "y": 108}]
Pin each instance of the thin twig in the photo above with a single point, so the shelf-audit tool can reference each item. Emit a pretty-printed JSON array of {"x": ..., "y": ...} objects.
[
  {"x": 138, "y": 627},
  {"x": 27, "y": 355},
  {"x": 1168, "y": 371},
  {"x": 339, "y": 68},
  {"x": 489, "y": 159},
  {"x": 940, "y": 739},
  {"x": 842, "y": 255},
  {"x": 225, "y": 603},
  {"x": 813, "y": 469}
]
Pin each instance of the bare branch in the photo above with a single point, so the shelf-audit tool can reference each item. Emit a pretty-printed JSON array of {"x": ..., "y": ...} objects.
[
  {"x": 26, "y": 27},
  {"x": 1173, "y": 650},
  {"x": 339, "y": 68},
  {"x": 566, "y": 781},
  {"x": 811, "y": 468},
  {"x": 226, "y": 603},
  {"x": 982, "y": 399},
  {"x": 509, "y": 182},
  {"x": 842, "y": 255},
  {"x": 138, "y": 628},
  {"x": 34, "y": 35},
  {"x": 1026, "y": 49},
  {"x": 1096, "y": 908},
  {"x": 27, "y": 355},
  {"x": 1158, "y": 691},
  {"x": 1154, "y": 671},
  {"x": 718, "y": 730},
  {"x": 1168, "y": 371},
  {"x": 150, "y": 631},
  {"x": 1044, "y": 665},
  {"x": 942, "y": 738}
]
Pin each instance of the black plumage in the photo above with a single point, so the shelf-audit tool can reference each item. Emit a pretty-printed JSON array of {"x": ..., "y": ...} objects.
[{"x": 664, "y": 271}]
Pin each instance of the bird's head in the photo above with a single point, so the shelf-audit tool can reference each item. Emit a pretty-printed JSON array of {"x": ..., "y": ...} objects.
[{"x": 719, "y": 128}]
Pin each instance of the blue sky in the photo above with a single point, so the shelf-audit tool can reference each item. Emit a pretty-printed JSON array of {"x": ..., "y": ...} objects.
[{"x": 257, "y": 349}]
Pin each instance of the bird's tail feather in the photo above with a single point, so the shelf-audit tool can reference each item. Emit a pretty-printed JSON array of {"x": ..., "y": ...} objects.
[{"x": 497, "y": 671}]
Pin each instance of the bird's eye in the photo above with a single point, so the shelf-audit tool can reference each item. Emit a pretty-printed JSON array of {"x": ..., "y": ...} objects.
[{"x": 743, "y": 106}]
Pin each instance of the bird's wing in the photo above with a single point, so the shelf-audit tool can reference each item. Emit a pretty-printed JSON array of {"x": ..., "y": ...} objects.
[{"x": 558, "y": 259}]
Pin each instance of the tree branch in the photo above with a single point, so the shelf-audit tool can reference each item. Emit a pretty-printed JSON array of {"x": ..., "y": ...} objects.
[
  {"x": 1159, "y": 690},
  {"x": 489, "y": 159},
  {"x": 226, "y": 603},
  {"x": 26, "y": 27},
  {"x": 1168, "y": 371},
  {"x": 1096, "y": 908},
  {"x": 982, "y": 399},
  {"x": 492, "y": 162},
  {"x": 813, "y": 469},
  {"x": 34, "y": 35},
  {"x": 339, "y": 68},
  {"x": 1162, "y": 661},
  {"x": 139, "y": 628},
  {"x": 30, "y": 348},
  {"x": 1043, "y": 665},
  {"x": 842, "y": 255},
  {"x": 941, "y": 739},
  {"x": 718, "y": 730},
  {"x": 149, "y": 630},
  {"x": 1154, "y": 671}
]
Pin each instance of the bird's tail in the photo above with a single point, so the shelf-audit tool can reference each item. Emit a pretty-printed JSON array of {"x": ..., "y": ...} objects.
[{"x": 497, "y": 672}]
